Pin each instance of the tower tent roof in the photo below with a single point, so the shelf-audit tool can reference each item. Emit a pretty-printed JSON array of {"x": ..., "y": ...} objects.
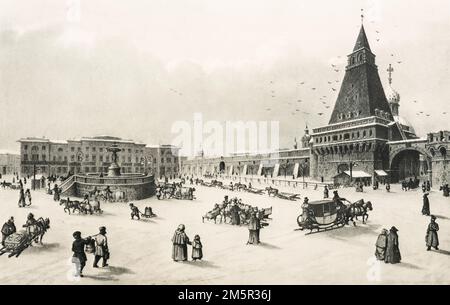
[
  {"x": 361, "y": 94},
  {"x": 362, "y": 41}
]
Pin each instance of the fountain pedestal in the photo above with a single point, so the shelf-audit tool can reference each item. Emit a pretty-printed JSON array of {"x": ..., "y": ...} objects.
[{"x": 114, "y": 168}]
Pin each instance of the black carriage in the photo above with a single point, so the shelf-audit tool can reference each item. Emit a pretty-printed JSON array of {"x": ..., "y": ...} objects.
[{"x": 323, "y": 215}]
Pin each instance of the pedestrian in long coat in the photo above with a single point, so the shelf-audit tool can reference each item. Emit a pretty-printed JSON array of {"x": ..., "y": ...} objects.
[
  {"x": 197, "y": 248},
  {"x": 326, "y": 192},
  {"x": 426, "y": 205},
  {"x": 56, "y": 193},
  {"x": 446, "y": 190},
  {"x": 21, "y": 198},
  {"x": 79, "y": 257},
  {"x": 235, "y": 219},
  {"x": 28, "y": 195},
  {"x": 254, "y": 225},
  {"x": 431, "y": 237},
  {"x": 393, "y": 255},
  {"x": 380, "y": 245},
  {"x": 179, "y": 244}
]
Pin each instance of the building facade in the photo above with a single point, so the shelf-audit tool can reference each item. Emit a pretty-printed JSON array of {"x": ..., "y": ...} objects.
[
  {"x": 90, "y": 155},
  {"x": 9, "y": 162},
  {"x": 165, "y": 160},
  {"x": 283, "y": 163}
]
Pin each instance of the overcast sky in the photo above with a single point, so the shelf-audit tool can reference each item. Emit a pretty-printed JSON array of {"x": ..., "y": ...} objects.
[{"x": 118, "y": 67}]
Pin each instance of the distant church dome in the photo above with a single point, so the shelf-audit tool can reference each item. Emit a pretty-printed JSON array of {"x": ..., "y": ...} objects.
[
  {"x": 306, "y": 138},
  {"x": 392, "y": 95}
]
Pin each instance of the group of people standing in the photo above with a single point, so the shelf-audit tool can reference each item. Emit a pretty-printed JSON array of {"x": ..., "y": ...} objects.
[
  {"x": 23, "y": 197},
  {"x": 387, "y": 247},
  {"x": 180, "y": 241},
  {"x": 97, "y": 245}
]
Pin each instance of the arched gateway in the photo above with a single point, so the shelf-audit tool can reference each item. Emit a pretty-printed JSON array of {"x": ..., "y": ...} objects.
[{"x": 410, "y": 162}]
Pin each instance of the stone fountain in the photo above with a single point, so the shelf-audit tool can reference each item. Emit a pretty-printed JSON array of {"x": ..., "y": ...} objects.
[{"x": 124, "y": 187}]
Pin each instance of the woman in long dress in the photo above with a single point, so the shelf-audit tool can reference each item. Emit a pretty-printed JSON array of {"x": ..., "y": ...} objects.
[
  {"x": 380, "y": 246},
  {"x": 180, "y": 241}
]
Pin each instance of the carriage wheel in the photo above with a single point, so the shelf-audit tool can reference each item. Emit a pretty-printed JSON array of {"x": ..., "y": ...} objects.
[{"x": 298, "y": 221}]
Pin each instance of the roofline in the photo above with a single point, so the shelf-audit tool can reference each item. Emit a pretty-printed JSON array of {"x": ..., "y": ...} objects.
[{"x": 355, "y": 120}]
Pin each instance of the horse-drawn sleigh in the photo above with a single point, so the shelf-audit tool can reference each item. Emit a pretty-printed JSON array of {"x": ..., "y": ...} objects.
[
  {"x": 17, "y": 242},
  {"x": 271, "y": 191},
  {"x": 176, "y": 191}
]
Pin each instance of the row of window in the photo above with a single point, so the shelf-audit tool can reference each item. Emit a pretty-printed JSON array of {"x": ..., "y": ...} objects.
[
  {"x": 100, "y": 149},
  {"x": 72, "y": 149},
  {"x": 35, "y": 157},
  {"x": 345, "y": 136},
  {"x": 93, "y": 158}
]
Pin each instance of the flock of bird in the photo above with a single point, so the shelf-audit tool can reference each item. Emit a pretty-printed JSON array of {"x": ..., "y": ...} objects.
[
  {"x": 295, "y": 105},
  {"x": 322, "y": 94}
]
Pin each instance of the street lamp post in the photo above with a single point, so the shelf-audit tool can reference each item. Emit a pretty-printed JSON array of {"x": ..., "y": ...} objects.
[
  {"x": 34, "y": 177},
  {"x": 351, "y": 165},
  {"x": 303, "y": 167}
]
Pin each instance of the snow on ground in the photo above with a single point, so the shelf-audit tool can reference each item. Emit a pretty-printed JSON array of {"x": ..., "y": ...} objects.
[{"x": 141, "y": 250}]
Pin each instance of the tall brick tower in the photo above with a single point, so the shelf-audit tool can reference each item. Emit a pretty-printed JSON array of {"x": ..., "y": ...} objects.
[{"x": 361, "y": 124}]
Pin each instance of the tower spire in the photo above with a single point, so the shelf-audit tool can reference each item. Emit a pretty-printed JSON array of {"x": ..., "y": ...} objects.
[
  {"x": 390, "y": 70},
  {"x": 362, "y": 16}
]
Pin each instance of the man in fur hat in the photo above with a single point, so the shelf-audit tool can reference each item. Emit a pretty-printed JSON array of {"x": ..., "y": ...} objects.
[
  {"x": 254, "y": 225},
  {"x": 431, "y": 237}
]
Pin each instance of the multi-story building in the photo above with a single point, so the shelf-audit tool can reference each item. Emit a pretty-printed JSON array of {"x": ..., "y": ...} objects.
[
  {"x": 9, "y": 162},
  {"x": 90, "y": 155},
  {"x": 165, "y": 160}
]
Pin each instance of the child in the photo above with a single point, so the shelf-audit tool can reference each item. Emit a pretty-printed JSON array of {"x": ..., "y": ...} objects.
[{"x": 197, "y": 252}]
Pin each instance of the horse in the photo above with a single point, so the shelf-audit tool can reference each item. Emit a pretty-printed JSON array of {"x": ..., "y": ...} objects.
[
  {"x": 240, "y": 186},
  {"x": 358, "y": 209},
  {"x": 75, "y": 205},
  {"x": 42, "y": 225}
]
